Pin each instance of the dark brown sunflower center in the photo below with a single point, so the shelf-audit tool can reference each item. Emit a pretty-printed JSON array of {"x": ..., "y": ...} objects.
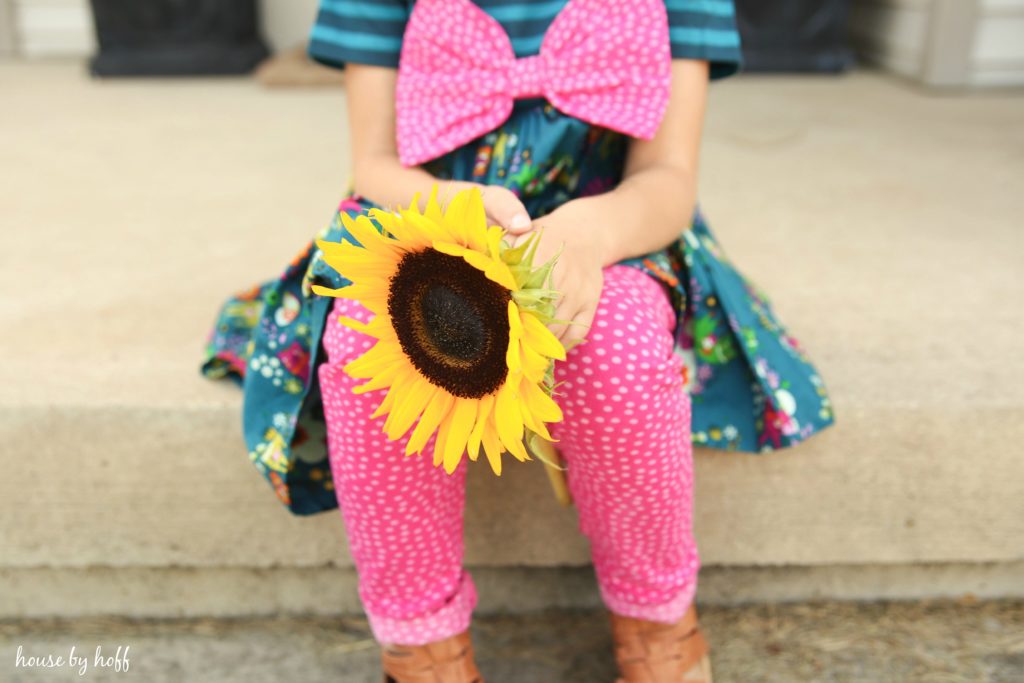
[
  {"x": 453, "y": 326},
  {"x": 451, "y": 321}
]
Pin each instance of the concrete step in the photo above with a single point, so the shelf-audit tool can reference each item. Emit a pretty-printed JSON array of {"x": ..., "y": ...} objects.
[
  {"x": 240, "y": 592},
  {"x": 802, "y": 643},
  {"x": 881, "y": 221}
]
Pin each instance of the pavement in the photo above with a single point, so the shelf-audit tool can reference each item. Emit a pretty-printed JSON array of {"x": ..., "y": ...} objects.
[{"x": 964, "y": 641}]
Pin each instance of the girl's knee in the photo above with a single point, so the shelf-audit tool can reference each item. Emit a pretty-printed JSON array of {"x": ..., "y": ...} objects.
[
  {"x": 632, "y": 299},
  {"x": 626, "y": 375},
  {"x": 631, "y": 336}
]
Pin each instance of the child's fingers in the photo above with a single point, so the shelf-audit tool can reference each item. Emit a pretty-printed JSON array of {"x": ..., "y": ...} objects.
[
  {"x": 505, "y": 209},
  {"x": 576, "y": 322},
  {"x": 577, "y": 332},
  {"x": 564, "y": 310}
]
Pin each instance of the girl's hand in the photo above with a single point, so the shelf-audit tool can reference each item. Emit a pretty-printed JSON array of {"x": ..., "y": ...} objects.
[{"x": 577, "y": 275}]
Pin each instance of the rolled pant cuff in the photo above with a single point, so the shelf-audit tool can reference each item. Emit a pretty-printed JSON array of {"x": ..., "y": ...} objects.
[
  {"x": 666, "y": 613},
  {"x": 451, "y": 619}
]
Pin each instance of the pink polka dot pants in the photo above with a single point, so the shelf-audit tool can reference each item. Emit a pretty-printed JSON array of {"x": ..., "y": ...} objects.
[{"x": 625, "y": 439}]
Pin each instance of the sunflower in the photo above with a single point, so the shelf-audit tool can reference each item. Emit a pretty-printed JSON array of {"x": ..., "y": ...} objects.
[{"x": 460, "y": 320}]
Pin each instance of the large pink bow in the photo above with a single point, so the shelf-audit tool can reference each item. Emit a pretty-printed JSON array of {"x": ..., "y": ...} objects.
[{"x": 607, "y": 62}]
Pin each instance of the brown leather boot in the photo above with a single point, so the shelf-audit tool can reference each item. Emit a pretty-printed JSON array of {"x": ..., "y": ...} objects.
[
  {"x": 652, "y": 652},
  {"x": 442, "y": 661}
]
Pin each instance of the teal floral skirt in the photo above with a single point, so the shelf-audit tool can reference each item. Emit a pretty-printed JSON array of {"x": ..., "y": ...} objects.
[{"x": 753, "y": 389}]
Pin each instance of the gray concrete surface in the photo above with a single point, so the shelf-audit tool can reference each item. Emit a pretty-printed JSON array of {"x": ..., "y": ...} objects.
[
  {"x": 885, "y": 224},
  {"x": 241, "y": 592},
  {"x": 939, "y": 642}
]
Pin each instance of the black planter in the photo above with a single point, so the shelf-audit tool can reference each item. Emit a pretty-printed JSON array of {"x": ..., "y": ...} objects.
[
  {"x": 176, "y": 37},
  {"x": 794, "y": 35}
]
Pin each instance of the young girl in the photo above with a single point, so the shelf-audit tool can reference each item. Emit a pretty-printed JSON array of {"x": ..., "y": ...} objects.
[{"x": 581, "y": 118}]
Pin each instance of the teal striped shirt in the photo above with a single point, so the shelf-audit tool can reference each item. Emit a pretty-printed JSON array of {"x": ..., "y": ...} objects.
[{"x": 370, "y": 31}]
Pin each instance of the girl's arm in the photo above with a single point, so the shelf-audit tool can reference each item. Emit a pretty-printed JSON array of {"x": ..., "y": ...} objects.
[
  {"x": 642, "y": 214},
  {"x": 658, "y": 192},
  {"x": 378, "y": 174}
]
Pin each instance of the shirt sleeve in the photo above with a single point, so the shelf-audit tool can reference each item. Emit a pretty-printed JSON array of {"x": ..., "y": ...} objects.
[
  {"x": 358, "y": 31},
  {"x": 705, "y": 29}
]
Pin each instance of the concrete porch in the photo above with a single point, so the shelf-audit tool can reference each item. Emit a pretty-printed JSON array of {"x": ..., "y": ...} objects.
[{"x": 884, "y": 222}]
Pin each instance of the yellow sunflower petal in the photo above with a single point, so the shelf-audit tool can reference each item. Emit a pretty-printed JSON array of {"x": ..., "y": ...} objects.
[
  {"x": 513, "y": 357},
  {"x": 398, "y": 384},
  {"x": 430, "y": 229},
  {"x": 518, "y": 451},
  {"x": 542, "y": 405},
  {"x": 356, "y": 291},
  {"x": 347, "y": 220},
  {"x": 509, "y": 420},
  {"x": 442, "y": 437},
  {"x": 410, "y": 238},
  {"x": 357, "y": 271},
  {"x": 472, "y": 226},
  {"x": 376, "y": 285},
  {"x": 526, "y": 406},
  {"x": 373, "y": 362},
  {"x": 450, "y": 248},
  {"x": 329, "y": 291},
  {"x": 437, "y": 410},
  {"x": 380, "y": 381},
  {"x": 477, "y": 259},
  {"x": 476, "y": 436},
  {"x": 499, "y": 272},
  {"x": 374, "y": 300},
  {"x": 515, "y": 323},
  {"x": 495, "y": 270},
  {"x": 535, "y": 366},
  {"x": 465, "y": 211},
  {"x": 534, "y": 423},
  {"x": 379, "y": 326},
  {"x": 538, "y": 337},
  {"x": 494, "y": 234},
  {"x": 492, "y": 445},
  {"x": 476, "y": 238},
  {"x": 371, "y": 239},
  {"x": 345, "y": 255},
  {"x": 357, "y": 325},
  {"x": 433, "y": 209},
  {"x": 386, "y": 219},
  {"x": 408, "y": 407},
  {"x": 462, "y": 419},
  {"x": 541, "y": 430}
]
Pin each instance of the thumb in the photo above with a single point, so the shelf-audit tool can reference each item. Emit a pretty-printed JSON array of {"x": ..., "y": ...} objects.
[
  {"x": 516, "y": 240},
  {"x": 505, "y": 209}
]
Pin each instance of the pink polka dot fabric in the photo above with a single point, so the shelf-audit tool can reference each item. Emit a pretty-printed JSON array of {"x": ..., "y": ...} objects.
[
  {"x": 607, "y": 62},
  {"x": 626, "y": 441},
  {"x": 403, "y": 516}
]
